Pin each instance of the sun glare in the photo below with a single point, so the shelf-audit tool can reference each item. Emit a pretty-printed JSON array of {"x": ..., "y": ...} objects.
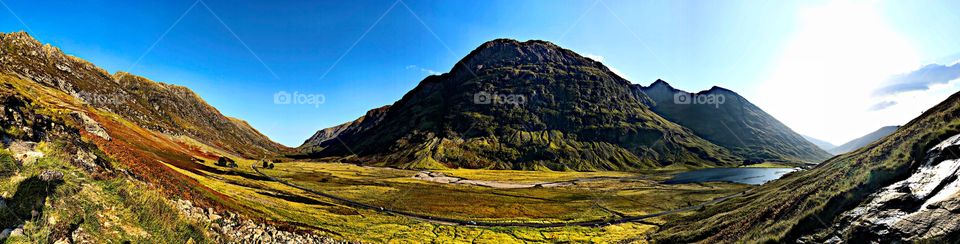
[{"x": 840, "y": 53}]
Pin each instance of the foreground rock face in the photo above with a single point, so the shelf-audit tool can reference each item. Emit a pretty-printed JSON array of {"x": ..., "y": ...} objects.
[
  {"x": 926, "y": 205},
  {"x": 230, "y": 228},
  {"x": 91, "y": 125}
]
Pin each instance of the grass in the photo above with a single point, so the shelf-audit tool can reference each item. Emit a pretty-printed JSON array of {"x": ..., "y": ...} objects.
[
  {"x": 603, "y": 198},
  {"x": 768, "y": 165},
  {"x": 103, "y": 210},
  {"x": 396, "y": 189},
  {"x": 527, "y": 176}
]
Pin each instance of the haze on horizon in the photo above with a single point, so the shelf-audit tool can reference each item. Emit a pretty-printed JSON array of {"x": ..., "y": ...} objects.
[{"x": 831, "y": 70}]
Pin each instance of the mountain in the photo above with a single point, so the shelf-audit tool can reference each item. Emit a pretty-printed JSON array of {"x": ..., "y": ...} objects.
[
  {"x": 864, "y": 140},
  {"x": 521, "y": 105},
  {"x": 826, "y": 146},
  {"x": 373, "y": 117},
  {"x": 900, "y": 188},
  {"x": 166, "y": 108},
  {"x": 727, "y": 119}
]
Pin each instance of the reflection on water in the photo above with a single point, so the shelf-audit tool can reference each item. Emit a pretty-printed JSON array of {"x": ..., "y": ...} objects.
[{"x": 753, "y": 176}]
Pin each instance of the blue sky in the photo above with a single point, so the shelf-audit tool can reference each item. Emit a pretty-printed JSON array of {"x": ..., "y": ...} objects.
[{"x": 357, "y": 60}]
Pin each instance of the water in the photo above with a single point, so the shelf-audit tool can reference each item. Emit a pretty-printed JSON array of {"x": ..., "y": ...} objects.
[{"x": 753, "y": 176}]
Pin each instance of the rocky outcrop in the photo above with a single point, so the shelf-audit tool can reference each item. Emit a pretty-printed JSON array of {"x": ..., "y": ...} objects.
[
  {"x": 51, "y": 176},
  {"x": 90, "y": 125},
  {"x": 926, "y": 205},
  {"x": 228, "y": 227}
]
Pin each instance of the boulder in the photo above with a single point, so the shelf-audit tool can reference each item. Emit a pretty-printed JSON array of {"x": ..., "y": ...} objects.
[
  {"x": 51, "y": 175},
  {"x": 91, "y": 125}
]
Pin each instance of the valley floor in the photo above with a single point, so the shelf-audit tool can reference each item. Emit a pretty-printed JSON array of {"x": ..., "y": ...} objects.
[{"x": 369, "y": 204}]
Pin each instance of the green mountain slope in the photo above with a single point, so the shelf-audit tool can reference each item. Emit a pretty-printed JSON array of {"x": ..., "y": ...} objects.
[
  {"x": 809, "y": 203},
  {"x": 153, "y": 105},
  {"x": 524, "y": 105},
  {"x": 733, "y": 123},
  {"x": 864, "y": 140}
]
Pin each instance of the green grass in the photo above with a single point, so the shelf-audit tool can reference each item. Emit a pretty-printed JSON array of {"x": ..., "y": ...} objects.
[
  {"x": 585, "y": 201},
  {"x": 396, "y": 189},
  {"x": 768, "y": 165},
  {"x": 110, "y": 210}
]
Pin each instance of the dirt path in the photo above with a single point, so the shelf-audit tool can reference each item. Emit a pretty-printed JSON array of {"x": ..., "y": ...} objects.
[
  {"x": 444, "y": 179},
  {"x": 452, "y": 221}
]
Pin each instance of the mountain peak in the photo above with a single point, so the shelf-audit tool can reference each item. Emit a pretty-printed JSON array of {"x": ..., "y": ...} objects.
[
  {"x": 18, "y": 35},
  {"x": 510, "y": 52},
  {"x": 719, "y": 89},
  {"x": 660, "y": 82}
]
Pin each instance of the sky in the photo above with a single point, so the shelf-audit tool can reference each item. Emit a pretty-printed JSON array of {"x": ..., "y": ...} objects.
[{"x": 833, "y": 70}]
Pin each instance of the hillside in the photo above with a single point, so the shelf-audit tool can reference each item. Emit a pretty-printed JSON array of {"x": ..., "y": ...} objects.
[
  {"x": 72, "y": 171},
  {"x": 733, "y": 123},
  {"x": 864, "y": 140},
  {"x": 899, "y": 187},
  {"x": 166, "y": 108},
  {"x": 523, "y": 105}
]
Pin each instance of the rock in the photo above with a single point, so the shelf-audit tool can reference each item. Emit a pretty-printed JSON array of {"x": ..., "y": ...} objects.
[
  {"x": 91, "y": 125},
  {"x": 16, "y": 232},
  {"x": 5, "y": 233},
  {"x": 86, "y": 159},
  {"x": 51, "y": 175}
]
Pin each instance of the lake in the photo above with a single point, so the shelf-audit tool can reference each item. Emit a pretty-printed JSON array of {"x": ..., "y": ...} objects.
[{"x": 753, "y": 176}]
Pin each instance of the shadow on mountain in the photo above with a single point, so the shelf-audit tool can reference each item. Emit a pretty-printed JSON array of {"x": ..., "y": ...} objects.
[{"x": 27, "y": 202}]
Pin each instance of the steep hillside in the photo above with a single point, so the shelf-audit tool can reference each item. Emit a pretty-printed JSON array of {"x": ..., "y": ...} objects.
[
  {"x": 816, "y": 204},
  {"x": 72, "y": 172},
  {"x": 524, "y": 105},
  {"x": 864, "y": 140},
  {"x": 157, "y": 106},
  {"x": 732, "y": 122}
]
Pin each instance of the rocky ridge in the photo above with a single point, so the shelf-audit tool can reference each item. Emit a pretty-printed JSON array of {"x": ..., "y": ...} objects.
[
  {"x": 157, "y": 106},
  {"x": 232, "y": 228}
]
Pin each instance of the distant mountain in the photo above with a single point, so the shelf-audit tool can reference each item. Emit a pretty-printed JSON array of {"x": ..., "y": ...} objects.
[
  {"x": 521, "y": 105},
  {"x": 732, "y": 122},
  {"x": 826, "y": 146},
  {"x": 864, "y": 140},
  {"x": 316, "y": 142},
  {"x": 162, "y": 107}
]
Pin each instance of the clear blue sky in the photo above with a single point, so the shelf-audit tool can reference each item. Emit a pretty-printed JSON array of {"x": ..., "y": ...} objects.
[{"x": 691, "y": 44}]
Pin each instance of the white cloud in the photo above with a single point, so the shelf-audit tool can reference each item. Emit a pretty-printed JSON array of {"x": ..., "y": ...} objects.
[{"x": 424, "y": 70}]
